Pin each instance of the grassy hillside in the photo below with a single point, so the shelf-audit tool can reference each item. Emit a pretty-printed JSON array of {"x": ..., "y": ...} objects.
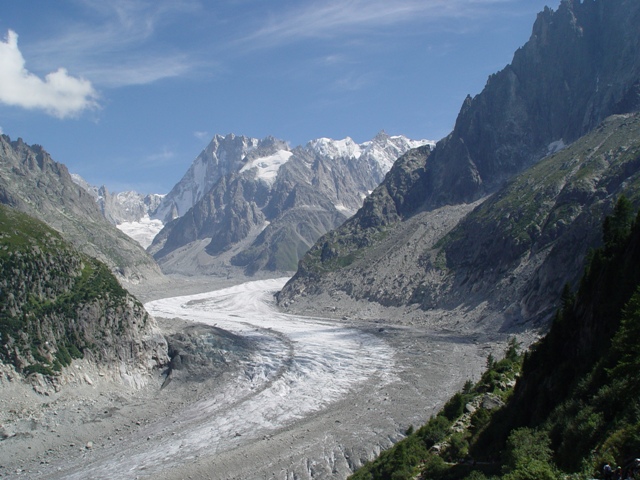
[{"x": 576, "y": 401}]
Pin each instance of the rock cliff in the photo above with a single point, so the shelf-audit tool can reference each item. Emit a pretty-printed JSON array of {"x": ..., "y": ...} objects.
[{"x": 581, "y": 65}]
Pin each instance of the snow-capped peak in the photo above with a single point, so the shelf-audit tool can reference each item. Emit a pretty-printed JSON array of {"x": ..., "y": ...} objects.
[
  {"x": 223, "y": 155},
  {"x": 345, "y": 148},
  {"x": 231, "y": 153},
  {"x": 384, "y": 149}
]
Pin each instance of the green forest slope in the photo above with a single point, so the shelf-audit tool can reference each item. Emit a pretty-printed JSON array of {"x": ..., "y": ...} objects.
[{"x": 57, "y": 304}]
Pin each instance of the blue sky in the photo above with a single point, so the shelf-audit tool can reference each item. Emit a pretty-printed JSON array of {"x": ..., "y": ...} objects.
[{"x": 127, "y": 93}]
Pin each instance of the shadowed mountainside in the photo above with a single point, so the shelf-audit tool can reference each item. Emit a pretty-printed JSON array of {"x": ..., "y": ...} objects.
[{"x": 581, "y": 65}]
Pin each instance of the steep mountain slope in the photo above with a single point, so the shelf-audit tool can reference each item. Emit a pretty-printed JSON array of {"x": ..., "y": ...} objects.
[
  {"x": 268, "y": 203},
  {"x": 580, "y": 66},
  {"x": 536, "y": 232},
  {"x": 57, "y": 304},
  {"x": 551, "y": 94},
  {"x": 32, "y": 182},
  {"x": 588, "y": 361},
  {"x": 573, "y": 407},
  {"x": 223, "y": 156}
]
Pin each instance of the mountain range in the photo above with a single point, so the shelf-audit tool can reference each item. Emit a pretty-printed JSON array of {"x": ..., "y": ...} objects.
[
  {"x": 120, "y": 207},
  {"x": 258, "y": 205},
  {"x": 130, "y": 211},
  {"x": 486, "y": 231},
  {"x": 490, "y": 221}
]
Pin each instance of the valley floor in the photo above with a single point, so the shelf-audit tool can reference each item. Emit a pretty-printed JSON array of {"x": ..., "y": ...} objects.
[{"x": 316, "y": 397}]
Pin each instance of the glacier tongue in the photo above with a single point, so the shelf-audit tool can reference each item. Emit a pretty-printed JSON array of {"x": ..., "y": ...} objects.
[{"x": 301, "y": 366}]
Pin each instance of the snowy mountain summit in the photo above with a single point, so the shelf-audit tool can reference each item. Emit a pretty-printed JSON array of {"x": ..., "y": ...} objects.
[
  {"x": 223, "y": 156},
  {"x": 129, "y": 211},
  {"x": 233, "y": 154},
  {"x": 260, "y": 204},
  {"x": 383, "y": 150}
]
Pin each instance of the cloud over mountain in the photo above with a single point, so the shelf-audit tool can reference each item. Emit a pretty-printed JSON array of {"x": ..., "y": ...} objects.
[{"x": 59, "y": 94}]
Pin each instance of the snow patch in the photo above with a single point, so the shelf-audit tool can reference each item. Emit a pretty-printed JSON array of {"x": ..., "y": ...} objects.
[
  {"x": 143, "y": 231},
  {"x": 341, "y": 208},
  {"x": 267, "y": 167},
  {"x": 414, "y": 143},
  {"x": 555, "y": 147}
]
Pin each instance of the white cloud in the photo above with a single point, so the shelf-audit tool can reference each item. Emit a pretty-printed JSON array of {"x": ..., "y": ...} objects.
[
  {"x": 336, "y": 17},
  {"x": 120, "y": 46},
  {"x": 143, "y": 71},
  {"x": 352, "y": 81},
  {"x": 202, "y": 135},
  {"x": 59, "y": 94},
  {"x": 160, "y": 158}
]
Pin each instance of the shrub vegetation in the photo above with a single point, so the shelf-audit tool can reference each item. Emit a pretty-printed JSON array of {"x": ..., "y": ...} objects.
[{"x": 46, "y": 288}]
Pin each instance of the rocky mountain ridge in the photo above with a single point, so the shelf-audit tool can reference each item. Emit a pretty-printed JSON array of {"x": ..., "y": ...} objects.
[
  {"x": 267, "y": 203},
  {"x": 506, "y": 259},
  {"x": 579, "y": 66},
  {"x": 32, "y": 182}
]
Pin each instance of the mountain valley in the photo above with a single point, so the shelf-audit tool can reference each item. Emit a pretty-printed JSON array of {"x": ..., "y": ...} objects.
[{"x": 296, "y": 312}]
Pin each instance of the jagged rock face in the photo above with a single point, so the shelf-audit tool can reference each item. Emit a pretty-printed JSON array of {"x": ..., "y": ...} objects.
[
  {"x": 581, "y": 64},
  {"x": 57, "y": 304},
  {"x": 201, "y": 352},
  {"x": 35, "y": 184},
  {"x": 223, "y": 156},
  {"x": 273, "y": 207}
]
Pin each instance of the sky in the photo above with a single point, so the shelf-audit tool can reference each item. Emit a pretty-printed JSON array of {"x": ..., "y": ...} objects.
[{"x": 127, "y": 93}]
